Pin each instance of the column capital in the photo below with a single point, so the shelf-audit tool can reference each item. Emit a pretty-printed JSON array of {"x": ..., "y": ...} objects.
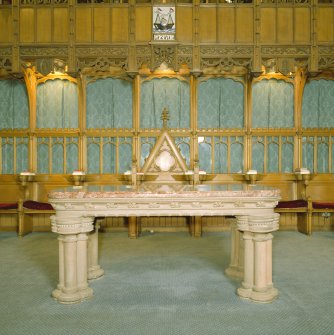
[
  {"x": 72, "y": 225},
  {"x": 259, "y": 223}
]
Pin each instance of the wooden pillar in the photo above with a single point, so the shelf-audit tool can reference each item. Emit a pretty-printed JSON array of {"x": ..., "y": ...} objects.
[{"x": 133, "y": 227}]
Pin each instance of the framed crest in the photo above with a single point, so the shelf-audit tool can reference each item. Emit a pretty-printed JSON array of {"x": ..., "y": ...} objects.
[{"x": 163, "y": 23}]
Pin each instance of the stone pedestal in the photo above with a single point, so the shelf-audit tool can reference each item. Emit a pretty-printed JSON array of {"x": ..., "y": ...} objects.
[
  {"x": 257, "y": 282},
  {"x": 73, "y": 258}
]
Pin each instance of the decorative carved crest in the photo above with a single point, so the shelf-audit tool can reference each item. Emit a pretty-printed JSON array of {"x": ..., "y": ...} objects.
[{"x": 165, "y": 156}]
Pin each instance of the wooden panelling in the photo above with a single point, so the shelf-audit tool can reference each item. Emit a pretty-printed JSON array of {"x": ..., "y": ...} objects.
[
  {"x": 60, "y": 25},
  {"x": 325, "y": 24},
  {"x": 83, "y": 25},
  {"x": 8, "y": 222},
  {"x": 184, "y": 31},
  {"x": 244, "y": 25},
  {"x": 207, "y": 25},
  {"x": 226, "y": 25},
  {"x": 321, "y": 188},
  {"x": 27, "y": 25},
  {"x": 302, "y": 25},
  {"x": 322, "y": 223},
  {"x": 43, "y": 25},
  {"x": 288, "y": 221},
  {"x": 41, "y": 222},
  {"x": 268, "y": 25},
  {"x": 284, "y": 25},
  {"x": 6, "y": 24},
  {"x": 143, "y": 24},
  {"x": 101, "y": 24},
  {"x": 119, "y": 25}
]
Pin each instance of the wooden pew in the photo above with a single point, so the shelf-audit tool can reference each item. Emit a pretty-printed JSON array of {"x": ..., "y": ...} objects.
[{"x": 302, "y": 208}]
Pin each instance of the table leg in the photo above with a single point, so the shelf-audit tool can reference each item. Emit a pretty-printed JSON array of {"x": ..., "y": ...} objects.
[
  {"x": 73, "y": 285},
  {"x": 257, "y": 284},
  {"x": 133, "y": 226},
  {"x": 236, "y": 267},
  {"x": 94, "y": 269},
  {"x": 196, "y": 226}
]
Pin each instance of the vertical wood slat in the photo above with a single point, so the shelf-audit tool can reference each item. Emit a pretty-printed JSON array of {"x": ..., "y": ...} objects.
[
  {"x": 27, "y": 25},
  {"x": 60, "y": 28},
  {"x": 101, "y": 25},
  {"x": 83, "y": 24},
  {"x": 244, "y": 24},
  {"x": 6, "y": 25},
  {"x": 44, "y": 23}
]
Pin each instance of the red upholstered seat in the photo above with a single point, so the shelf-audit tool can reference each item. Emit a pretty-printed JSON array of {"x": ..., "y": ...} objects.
[
  {"x": 12, "y": 205},
  {"x": 322, "y": 205},
  {"x": 36, "y": 205},
  {"x": 292, "y": 204}
]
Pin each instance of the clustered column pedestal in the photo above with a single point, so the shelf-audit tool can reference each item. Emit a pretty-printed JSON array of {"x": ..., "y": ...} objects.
[
  {"x": 78, "y": 258},
  {"x": 257, "y": 282}
]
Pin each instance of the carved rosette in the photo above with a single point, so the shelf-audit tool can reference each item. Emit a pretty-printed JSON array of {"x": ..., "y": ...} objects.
[
  {"x": 164, "y": 54},
  {"x": 102, "y": 64},
  {"x": 284, "y": 65},
  {"x": 28, "y": 52},
  {"x": 225, "y": 65},
  {"x": 5, "y": 63},
  {"x": 5, "y": 58},
  {"x": 326, "y": 63}
]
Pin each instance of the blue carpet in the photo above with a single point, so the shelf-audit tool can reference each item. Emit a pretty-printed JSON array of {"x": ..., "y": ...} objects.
[{"x": 167, "y": 284}]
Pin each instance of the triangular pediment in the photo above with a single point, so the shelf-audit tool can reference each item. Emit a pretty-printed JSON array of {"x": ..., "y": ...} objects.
[{"x": 165, "y": 157}]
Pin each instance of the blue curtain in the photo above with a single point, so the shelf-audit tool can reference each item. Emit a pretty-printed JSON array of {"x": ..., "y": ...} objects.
[
  {"x": 93, "y": 155},
  {"x": 272, "y": 104},
  {"x": 57, "y": 155},
  {"x": 109, "y": 155},
  {"x": 318, "y": 104},
  {"x": 14, "y": 106},
  {"x": 323, "y": 155},
  {"x": 57, "y": 104},
  {"x": 109, "y": 104},
  {"x": 146, "y": 145},
  {"x": 258, "y": 154},
  {"x": 72, "y": 154},
  {"x": 204, "y": 155},
  {"x": 43, "y": 155},
  {"x": 183, "y": 145},
  {"x": 125, "y": 154},
  {"x": 287, "y": 154},
  {"x": 220, "y": 152},
  {"x": 273, "y": 155},
  {"x": 220, "y": 104},
  {"x": 109, "y": 147},
  {"x": 7, "y": 155},
  {"x": 308, "y": 153},
  {"x": 21, "y": 154},
  {"x": 237, "y": 154},
  {"x": 58, "y": 147},
  {"x": 156, "y": 94},
  {"x": 8, "y": 145}
]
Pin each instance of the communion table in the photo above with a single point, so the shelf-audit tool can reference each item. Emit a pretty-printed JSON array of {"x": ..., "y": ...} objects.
[{"x": 77, "y": 207}]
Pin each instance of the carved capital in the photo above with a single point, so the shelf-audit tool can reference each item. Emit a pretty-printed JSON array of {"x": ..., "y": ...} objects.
[
  {"x": 258, "y": 224},
  {"x": 72, "y": 225}
]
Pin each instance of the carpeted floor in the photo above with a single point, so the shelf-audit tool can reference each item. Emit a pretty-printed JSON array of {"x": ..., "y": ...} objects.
[{"x": 167, "y": 284}]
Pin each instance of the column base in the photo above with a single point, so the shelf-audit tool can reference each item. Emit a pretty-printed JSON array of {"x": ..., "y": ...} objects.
[
  {"x": 265, "y": 296},
  {"x": 95, "y": 272},
  {"x": 235, "y": 272},
  {"x": 72, "y": 298}
]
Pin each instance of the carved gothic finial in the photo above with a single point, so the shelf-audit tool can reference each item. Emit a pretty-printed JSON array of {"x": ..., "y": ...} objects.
[{"x": 165, "y": 117}]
